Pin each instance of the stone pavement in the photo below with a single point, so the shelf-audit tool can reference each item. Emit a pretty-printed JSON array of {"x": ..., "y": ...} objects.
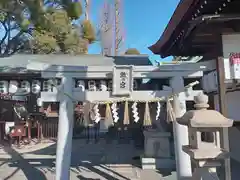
[{"x": 89, "y": 162}]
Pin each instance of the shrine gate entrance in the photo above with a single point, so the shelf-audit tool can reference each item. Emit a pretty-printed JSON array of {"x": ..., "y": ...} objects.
[{"x": 107, "y": 86}]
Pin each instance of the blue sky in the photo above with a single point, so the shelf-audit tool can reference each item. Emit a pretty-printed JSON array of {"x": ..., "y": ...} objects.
[{"x": 143, "y": 20}]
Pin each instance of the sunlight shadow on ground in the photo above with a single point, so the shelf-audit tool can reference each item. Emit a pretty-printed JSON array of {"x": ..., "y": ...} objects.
[
  {"x": 40, "y": 163},
  {"x": 89, "y": 161},
  {"x": 18, "y": 161}
]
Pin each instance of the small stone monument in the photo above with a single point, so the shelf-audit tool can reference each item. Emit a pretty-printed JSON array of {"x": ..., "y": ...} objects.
[
  {"x": 204, "y": 128},
  {"x": 157, "y": 152},
  {"x": 157, "y": 148}
]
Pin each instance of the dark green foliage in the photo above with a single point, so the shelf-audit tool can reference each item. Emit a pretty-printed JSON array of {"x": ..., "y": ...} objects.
[
  {"x": 132, "y": 51},
  {"x": 74, "y": 10},
  {"x": 88, "y": 31},
  {"x": 43, "y": 27}
]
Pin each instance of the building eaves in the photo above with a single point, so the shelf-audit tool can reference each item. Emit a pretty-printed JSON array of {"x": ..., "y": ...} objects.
[
  {"x": 178, "y": 15},
  {"x": 69, "y": 60}
]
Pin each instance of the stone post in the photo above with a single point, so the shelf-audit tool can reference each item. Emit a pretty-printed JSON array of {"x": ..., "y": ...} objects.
[
  {"x": 65, "y": 131},
  {"x": 183, "y": 162}
]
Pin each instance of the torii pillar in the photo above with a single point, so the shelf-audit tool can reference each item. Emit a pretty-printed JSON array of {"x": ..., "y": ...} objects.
[
  {"x": 183, "y": 161},
  {"x": 65, "y": 130}
]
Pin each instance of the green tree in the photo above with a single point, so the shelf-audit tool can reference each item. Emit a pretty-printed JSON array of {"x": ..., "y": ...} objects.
[
  {"x": 12, "y": 26},
  {"x": 44, "y": 27},
  {"x": 132, "y": 51}
]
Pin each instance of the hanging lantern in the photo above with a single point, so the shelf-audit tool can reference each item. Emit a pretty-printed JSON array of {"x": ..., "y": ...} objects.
[
  {"x": 80, "y": 84},
  {"x": 36, "y": 86},
  {"x": 92, "y": 85},
  {"x": 13, "y": 87},
  {"x": 25, "y": 87},
  {"x": 103, "y": 85},
  {"x": 47, "y": 86},
  {"x": 54, "y": 84},
  {"x": 3, "y": 87}
]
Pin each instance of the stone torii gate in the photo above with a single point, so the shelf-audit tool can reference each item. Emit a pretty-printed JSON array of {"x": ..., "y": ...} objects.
[{"x": 67, "y": 94}]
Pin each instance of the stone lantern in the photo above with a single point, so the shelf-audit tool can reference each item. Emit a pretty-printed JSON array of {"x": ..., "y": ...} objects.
[{"x": 204, "y": 128}]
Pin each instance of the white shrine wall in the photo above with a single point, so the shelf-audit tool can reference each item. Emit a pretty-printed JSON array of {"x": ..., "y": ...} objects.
[
  {"x": 231, "y": 48},
  {"x": 233, "y": 111},
  {"x": 209, "y": 84},
  {"x": 233, "y": 105},
  {"x": 231, "y": 43}
]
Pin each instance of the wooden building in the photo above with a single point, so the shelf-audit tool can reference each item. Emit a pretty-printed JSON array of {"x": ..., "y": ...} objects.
[
  {"x": 94, "y": 68},
  {"x": 210, "y": 29},
  {"x": 196, "y": 27}
]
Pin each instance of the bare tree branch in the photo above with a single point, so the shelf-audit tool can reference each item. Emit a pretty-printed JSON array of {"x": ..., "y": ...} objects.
[{"x": 13, "y": 44}]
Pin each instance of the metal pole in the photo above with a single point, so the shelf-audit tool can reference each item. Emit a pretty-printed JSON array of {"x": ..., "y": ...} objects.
[
  {"x": 183, "y": 161},
  {"x": 223, "y": 110},
  {"x": 65, "y": 130}
]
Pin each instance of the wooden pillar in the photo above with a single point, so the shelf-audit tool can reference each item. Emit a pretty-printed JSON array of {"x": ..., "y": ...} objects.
[{"x": 226, "y": 174}]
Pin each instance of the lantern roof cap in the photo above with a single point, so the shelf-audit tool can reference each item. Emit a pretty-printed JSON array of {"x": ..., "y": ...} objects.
[{"x": 202, "y": 117}]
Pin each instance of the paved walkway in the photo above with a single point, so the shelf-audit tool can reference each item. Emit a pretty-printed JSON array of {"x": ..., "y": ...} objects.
[{"x": 89, "y": 162}]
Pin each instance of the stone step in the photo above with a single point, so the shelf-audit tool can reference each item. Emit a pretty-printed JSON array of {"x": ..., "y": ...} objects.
[{"x": 157, "y": 163}]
